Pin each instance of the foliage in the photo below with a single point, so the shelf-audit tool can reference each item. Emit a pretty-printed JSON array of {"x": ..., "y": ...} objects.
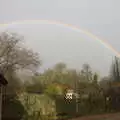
[
  {"x": 54, "y": 89},
  {"x": 13, "y": 109},
  {"x": 60, "y": 67},
  {"x": 35, "y": 86},
  {"x": 37, "y": 105}
]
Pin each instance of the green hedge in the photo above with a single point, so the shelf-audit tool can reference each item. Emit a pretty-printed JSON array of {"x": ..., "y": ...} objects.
[{"x": 95, "y": 105}]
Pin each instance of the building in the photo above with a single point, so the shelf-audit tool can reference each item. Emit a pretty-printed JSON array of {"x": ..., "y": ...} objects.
[{"x": 70, "y": 94}]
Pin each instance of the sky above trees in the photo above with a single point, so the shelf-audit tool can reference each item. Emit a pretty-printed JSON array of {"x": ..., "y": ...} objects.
[{"x": 101, "y": 18}]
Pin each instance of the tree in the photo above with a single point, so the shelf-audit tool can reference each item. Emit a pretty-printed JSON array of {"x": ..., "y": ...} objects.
[
  {"x": 115, "y": 70},
  {"x": 14, "y": 55},
  {"x": 55, "y": 89},
  {"x": 60, "y": 67},
  {"x": 86, "y": 72},
  {"x": 57, "y": 74},
  {"x": 14, "y": 83},
  {"x": 95, "y": 78},
  {"x": 35, "y": 86}
]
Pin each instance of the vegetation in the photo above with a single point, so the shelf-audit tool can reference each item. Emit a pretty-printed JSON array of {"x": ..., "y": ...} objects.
[{"x": 42, "y": 96}]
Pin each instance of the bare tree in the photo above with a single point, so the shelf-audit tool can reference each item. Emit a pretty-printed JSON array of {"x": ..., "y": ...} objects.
[
  {"x": 87, "y": 72},
  {"x": 14, "y": 55}
]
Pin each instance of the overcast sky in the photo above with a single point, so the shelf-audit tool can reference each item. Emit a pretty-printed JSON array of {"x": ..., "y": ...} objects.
[{"x": 55, "y": 43}]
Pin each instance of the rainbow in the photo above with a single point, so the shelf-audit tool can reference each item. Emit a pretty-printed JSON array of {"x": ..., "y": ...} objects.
[{"x": 73, "y": 27}]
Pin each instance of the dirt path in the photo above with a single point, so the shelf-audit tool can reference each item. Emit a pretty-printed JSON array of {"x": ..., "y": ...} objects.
[{"x": 115, "y": 116}]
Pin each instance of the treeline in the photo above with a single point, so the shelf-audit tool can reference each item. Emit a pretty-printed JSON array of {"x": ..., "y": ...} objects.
[
  {"x": 42, "y": 96},
  {"x": 56, "y": 81}
]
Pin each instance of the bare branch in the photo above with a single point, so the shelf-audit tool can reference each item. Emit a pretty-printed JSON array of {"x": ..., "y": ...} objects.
[{"x": 13, "y": 55}]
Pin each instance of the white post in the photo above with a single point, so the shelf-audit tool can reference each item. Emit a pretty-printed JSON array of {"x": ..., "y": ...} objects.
[{"x": 0, "y": 102}]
